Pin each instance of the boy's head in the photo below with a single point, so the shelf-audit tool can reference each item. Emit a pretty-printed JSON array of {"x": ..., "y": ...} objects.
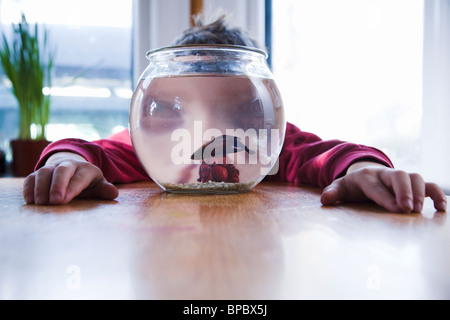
[
  {"x": 178, "y": 114},
  {"x": 217, "y": 32}
]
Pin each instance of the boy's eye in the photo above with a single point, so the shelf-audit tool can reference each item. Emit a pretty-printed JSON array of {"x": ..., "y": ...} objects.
[
  {"x": 249, "y": 115},
  {"x": 164, "y": 115},
  {"x": 165, "y": 109}
]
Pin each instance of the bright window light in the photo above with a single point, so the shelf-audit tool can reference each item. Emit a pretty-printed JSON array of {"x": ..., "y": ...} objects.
[
  {"x": 352, "y": 70},
  {"x": 91, "y": 84},
  {"x": 78, "y": 91},
  {"x": 102, "y": 13}
]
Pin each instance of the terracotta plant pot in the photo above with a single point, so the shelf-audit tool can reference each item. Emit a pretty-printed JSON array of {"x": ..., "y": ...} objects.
[{"x": 25, "y": 154}]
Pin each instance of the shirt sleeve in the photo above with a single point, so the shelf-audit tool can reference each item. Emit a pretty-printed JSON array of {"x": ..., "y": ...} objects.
[
  {"x": 306, "y": 159},
  {"x": 114, "y": 156}
]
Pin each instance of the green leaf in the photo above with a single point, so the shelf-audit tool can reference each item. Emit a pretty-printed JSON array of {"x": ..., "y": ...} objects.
[{"x": 28, "y": 62}]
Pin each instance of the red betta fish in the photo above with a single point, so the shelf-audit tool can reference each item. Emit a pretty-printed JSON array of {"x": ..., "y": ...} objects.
[{"x": 219, "y": 146}]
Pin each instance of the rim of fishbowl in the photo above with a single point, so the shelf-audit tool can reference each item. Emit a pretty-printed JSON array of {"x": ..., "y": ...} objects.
[{"x": 217, "y": 47}]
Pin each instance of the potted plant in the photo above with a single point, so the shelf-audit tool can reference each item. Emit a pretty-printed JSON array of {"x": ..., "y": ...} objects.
[{"x": 27, "y": 61}]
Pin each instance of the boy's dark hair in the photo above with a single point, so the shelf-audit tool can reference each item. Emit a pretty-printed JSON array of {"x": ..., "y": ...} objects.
[{"x": 217, "y": 32}]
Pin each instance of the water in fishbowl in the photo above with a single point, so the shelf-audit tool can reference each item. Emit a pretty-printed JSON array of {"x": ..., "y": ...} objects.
[{"x": 214, "y": 134}]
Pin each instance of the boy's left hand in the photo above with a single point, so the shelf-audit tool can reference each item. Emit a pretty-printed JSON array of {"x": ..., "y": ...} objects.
[{"x": 394, "y": 190}]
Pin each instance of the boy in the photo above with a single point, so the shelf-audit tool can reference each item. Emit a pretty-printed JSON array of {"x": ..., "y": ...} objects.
[{"x": 347, "y": 172}]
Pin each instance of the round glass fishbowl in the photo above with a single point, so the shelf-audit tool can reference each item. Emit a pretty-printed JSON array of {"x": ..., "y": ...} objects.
[{"x": 207, "y": 118}]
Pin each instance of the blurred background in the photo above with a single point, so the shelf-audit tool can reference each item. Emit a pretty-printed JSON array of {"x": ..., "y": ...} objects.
[{"x": 373, "y": 72}]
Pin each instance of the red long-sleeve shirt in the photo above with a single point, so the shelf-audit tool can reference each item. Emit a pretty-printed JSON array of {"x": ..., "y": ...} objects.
[{"x": 304, "y": 158}]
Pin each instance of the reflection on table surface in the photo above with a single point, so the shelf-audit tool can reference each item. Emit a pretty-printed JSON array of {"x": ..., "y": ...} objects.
[{"x": 274, "y": 242}]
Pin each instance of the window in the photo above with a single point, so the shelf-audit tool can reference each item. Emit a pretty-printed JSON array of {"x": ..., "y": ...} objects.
[
  {"x": 92, "y": 81},
  {"x": 352, "y": 70}
]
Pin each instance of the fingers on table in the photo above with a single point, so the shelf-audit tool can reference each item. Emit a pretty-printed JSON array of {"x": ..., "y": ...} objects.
[
  {"x": 101, "y": 190},
  {"x": 401, "y": 184},
  {"x": 332, "y": 194},
  {"x": 43, "y": 180},
  {"x": 418, "y": 191},
  {"x": 84, "y": 177},
  {"x": 409, "y": 190},
  {"x": 378, "y": 189},
  {"x": 60, "y": 180},
  {"x": 433, "y": 191},
  {"x": 28, "y": 188},
  {"x": 59, "y": 184}
]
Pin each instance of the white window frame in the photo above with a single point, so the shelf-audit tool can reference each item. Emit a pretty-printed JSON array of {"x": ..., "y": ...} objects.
[{"x": 436, "y": 93}]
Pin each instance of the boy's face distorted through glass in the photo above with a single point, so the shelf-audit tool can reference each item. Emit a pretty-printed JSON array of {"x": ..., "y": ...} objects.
[
  {"x": 194, "y": 129},
  {"x": 216, "y": 102}
]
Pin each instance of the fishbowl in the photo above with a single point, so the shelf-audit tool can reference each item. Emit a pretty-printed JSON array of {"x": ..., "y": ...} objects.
[{"x": 207, "y": 118}]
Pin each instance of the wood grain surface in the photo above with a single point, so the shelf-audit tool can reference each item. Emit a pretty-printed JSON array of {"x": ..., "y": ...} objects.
[{"x": 275, "y": 242}]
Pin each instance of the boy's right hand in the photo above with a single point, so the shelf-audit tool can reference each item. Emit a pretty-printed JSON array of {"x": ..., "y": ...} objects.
[{"x": 65, "y": 176}]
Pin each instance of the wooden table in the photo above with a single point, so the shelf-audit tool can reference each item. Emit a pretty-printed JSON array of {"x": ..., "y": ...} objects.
[{"x": 275, "y": 242}]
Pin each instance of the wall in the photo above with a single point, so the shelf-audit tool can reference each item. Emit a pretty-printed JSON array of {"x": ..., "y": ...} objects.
[{"x": 158, "y": 22}]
